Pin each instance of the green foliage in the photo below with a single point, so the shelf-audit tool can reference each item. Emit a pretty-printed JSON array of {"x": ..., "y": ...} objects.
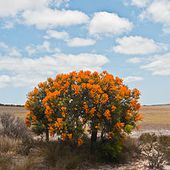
[
  {"x": 109, "y": 151},
  {"x": 38, "y": 129},
  {"x": 84, "y": 104},
  {"x": 128, "y": 128}
]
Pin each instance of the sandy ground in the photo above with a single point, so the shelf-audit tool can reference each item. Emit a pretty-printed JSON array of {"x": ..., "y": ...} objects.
[{"x": 140, "y": 165}]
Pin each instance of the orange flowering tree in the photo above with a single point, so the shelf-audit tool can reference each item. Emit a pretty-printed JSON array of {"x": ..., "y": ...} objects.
[{"x": 83, "y": 104}]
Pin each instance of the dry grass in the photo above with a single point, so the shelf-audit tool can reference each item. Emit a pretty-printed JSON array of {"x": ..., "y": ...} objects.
[
  {"x": 8, "y": 148},
  {"x": 17, "y": 111},
  {"x": 8, "y": 145},
  {"x": 154, "y": 116}
]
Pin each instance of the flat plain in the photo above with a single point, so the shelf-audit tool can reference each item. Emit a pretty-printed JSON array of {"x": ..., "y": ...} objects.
[
  {"x": 17, "y": 111},
  {"x": 157, "y": 116},
  {"x": 154, "y": 117}
]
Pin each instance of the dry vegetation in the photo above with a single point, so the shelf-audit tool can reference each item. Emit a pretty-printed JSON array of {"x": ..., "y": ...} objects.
[
  {"x": 155, "y": 117},
  {"x": 20, "y": 154},
  {"x": 17, "y": 111}
]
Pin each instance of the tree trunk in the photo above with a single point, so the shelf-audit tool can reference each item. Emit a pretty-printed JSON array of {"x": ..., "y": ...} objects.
[
  {"x": 47, "y": 134},
  {"x": 93, "y": 140},
  {"x": 102, "y": 139}
]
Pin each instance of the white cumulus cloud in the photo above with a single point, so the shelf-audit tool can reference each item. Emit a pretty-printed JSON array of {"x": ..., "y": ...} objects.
[
  {"x": 159, "y": 65},
  {"x": 135, "y": 60},
  {"x": 40, "y": 13},
  {"x": 13, "y": 7},
  {"x": 3, "y": 45},
  {"x": 133, "y": 45},
  {"x": 4, "y": 80},
  {"x": 44, "y": 47},
  {"x": 57, "y": 35},
  {"x": 49, "y": 18},
  {"x": 109, "y": 23},
  {"x": 29, "y": 71},
  {"x": 80, "y": 42},
  {"x": 166, "y": 30},
  {"x": 131, "y": 79},
  {"x": 158, "y": 11},
  {"x": 59, "y": 2},
  {"x": 140, "y": 3}
]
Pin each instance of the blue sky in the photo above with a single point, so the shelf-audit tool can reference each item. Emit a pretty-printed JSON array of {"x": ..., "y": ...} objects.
[{"x": 128, "y": 38}]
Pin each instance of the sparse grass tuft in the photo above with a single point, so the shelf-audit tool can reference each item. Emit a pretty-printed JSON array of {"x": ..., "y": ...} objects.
[
  {"x": 13, "y": 127},
  {"x": 8, "y": 145},
  {"x": 130, "y": 151},
  {"x": 61, "y": 156},
  {"x": 5, "y": 162},
  {"x": 8, "y": 149},
  {"x": 30, "y": 163}
]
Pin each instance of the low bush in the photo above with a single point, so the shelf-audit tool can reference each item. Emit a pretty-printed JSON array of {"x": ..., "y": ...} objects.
[
  {"x": 118, "y": 152},
  {"x": 165, "y": 143},
  {"x": 14, "y": 127},
  {"x": 155, "y": 149},
  {"x": 109, "y": 151}
]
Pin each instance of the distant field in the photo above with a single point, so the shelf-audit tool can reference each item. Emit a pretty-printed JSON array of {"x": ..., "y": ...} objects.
[
  {"x": 18, "y": 111},
  {"x": 155, "y": 117}
]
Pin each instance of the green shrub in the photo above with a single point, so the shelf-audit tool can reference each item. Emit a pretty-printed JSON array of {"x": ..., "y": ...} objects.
[
  {"x": 109, "y": 151},
  {"x": 118, "y": 152}
]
